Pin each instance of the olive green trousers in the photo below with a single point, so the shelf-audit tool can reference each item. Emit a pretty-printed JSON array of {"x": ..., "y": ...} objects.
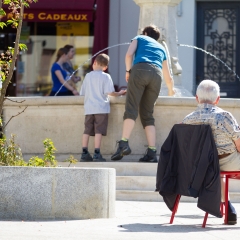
[{"x": 142, "y": 92}]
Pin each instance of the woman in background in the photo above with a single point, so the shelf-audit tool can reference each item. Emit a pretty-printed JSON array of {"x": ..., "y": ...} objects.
[
  {"x": 69, "y": 67},
  {"x": 59, "y": 76}
]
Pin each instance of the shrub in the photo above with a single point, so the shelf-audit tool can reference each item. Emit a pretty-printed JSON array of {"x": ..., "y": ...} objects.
[{"x": 11, "y": 154}]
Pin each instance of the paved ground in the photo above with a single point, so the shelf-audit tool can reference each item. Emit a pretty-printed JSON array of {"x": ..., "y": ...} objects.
[{"x": 134, "y": 220}]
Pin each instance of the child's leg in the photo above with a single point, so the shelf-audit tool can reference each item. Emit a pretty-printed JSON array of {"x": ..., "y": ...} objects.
[
  {"x": 85, "y": 157},
  {"x": 97, "y": 140},
  {"x": 88, "y": 131},
  {"x": 85, "y": 140},
  {"x": 100, "y": 127},
  {"x": 97, "y": 157}
]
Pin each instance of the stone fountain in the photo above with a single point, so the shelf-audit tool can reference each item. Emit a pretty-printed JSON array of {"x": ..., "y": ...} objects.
[
  {"x": 62, "y": 118},
  {"x": 162, "y": 13}
]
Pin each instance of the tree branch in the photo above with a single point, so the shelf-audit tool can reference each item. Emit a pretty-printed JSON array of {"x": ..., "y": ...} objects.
[
  {"x": 14, "y": 58},
  {"x": 13, "y": 117}
]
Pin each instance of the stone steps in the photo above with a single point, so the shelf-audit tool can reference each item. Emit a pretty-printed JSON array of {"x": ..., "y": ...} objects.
[
  {"x": 136, "y": 181},
  {"x": 122, "y": 168},
  {"x": 143, "y": 183}
]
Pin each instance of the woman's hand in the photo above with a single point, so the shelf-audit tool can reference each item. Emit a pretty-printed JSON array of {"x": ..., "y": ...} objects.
[
  {"x": 76, "y": 79},
  {"x": 75, "y": 92}
]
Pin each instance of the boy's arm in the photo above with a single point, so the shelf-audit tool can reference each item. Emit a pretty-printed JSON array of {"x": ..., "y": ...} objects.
[{"x": 116, "y": 94}]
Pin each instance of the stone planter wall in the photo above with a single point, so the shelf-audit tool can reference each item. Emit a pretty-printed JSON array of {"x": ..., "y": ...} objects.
[{"x": 29, "y": 193}]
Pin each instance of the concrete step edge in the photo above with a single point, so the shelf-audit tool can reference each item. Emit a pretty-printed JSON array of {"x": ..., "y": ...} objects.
[
  {"x": 136, "y": 195},
  {"x": 145, "y": 183},
  {"x": 122, "y": 168}
]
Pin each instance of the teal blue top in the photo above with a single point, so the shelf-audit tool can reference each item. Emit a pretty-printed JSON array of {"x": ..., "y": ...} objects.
[{"x": 149, "y": 51}]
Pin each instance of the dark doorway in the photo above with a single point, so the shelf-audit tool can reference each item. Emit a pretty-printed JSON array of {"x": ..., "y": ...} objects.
[{"x": 218, "y": 33}]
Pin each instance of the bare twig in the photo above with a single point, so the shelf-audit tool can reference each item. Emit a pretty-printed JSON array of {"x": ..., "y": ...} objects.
[
  {"x": 13, "y": 117},
  {"x": 6, "y": 98}
]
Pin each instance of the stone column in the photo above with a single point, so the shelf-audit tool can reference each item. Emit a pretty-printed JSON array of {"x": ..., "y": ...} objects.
[{"x": 162, "y": 13}]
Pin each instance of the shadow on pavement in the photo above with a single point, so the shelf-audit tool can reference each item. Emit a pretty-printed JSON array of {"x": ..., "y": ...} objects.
[{"x": 142, "y": 227}]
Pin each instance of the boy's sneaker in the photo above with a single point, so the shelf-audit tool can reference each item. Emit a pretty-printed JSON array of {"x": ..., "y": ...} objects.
[
  {"x": 123, "y": 149},
  {"x": 97, "y": 157},
  {"x": 86, "y": 157},
  {"x": 150, "y": 156}
]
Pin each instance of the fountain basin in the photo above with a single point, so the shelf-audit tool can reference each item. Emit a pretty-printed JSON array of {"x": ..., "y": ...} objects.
[{"x": 62, "y": 120}]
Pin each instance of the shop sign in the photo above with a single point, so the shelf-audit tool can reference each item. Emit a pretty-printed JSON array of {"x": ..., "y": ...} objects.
[{"x": 58, "y": 16}]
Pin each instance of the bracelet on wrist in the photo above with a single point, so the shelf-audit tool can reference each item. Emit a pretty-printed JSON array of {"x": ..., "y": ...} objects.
[{"x": 128, "y": 71}]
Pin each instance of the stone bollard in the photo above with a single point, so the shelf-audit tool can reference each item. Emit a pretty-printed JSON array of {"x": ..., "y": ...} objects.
[{"x": 36, "y": 193}]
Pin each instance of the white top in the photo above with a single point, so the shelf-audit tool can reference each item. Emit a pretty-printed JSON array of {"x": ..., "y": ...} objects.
[{"x": 96, "y": 87}]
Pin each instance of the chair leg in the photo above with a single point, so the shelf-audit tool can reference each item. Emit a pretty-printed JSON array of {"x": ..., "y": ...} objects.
[
  {"x": 206, "y": 215},
  {"x": 205, "y": 220},
  {"x": 226, "y": 200},
  {"x": 175, "y": 207}
]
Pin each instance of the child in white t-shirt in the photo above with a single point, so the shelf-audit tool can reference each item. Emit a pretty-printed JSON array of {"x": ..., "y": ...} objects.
[{"x": 96, "y": 87}]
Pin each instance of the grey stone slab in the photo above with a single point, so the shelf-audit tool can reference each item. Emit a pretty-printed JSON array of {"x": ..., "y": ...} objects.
[{"x": 28, "y": 193}]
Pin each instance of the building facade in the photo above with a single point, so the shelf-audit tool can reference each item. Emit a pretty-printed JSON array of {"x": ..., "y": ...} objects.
[
  {"x": 94, "y": 25},
  {"x": 48, "y": 26},
  {"x": 214, "y": 27}
]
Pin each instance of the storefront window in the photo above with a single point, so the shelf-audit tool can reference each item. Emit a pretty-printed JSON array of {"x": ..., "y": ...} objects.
[{"x": 33, "y": 73}]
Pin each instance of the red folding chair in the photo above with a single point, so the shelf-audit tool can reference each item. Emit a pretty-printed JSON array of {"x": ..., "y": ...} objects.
[{"x": 223, "y": 207}]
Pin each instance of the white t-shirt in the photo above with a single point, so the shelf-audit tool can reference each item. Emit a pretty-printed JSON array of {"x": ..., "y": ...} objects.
[{"x": 95, "y": 88}]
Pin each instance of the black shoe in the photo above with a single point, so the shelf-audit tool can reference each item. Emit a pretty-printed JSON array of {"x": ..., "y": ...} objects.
[
  {"x": 150, "y": 156},
  {"x": 123, "y": 149},
  {"x": 97, "y": 157},
  {"x": 86, "y": 157},
  {"x": 232, "y": 214}
]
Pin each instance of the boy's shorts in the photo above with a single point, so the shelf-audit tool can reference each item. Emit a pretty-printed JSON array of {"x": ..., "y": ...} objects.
[{"x": 96, "y": 124}]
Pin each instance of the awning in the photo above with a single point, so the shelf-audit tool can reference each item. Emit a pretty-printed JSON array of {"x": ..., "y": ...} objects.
[
  {"x": 63, "y": 5},
  {"x": 59, "y": 11}
]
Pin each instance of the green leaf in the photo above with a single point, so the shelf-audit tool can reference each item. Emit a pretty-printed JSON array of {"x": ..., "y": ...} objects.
[
  {"x": 2, "y": 12},
  {"x": 11, "y": 50},
  {"x": 23, "y": 47},
  {"x": 6, "y": 1},
  {"x": 9, "y": 22},
  {"x": 25, "y": 4},
  {"x": 2, "y": 25},
  {"x": 2, "y": 62},
  {"x": 3, "y": 77}
]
